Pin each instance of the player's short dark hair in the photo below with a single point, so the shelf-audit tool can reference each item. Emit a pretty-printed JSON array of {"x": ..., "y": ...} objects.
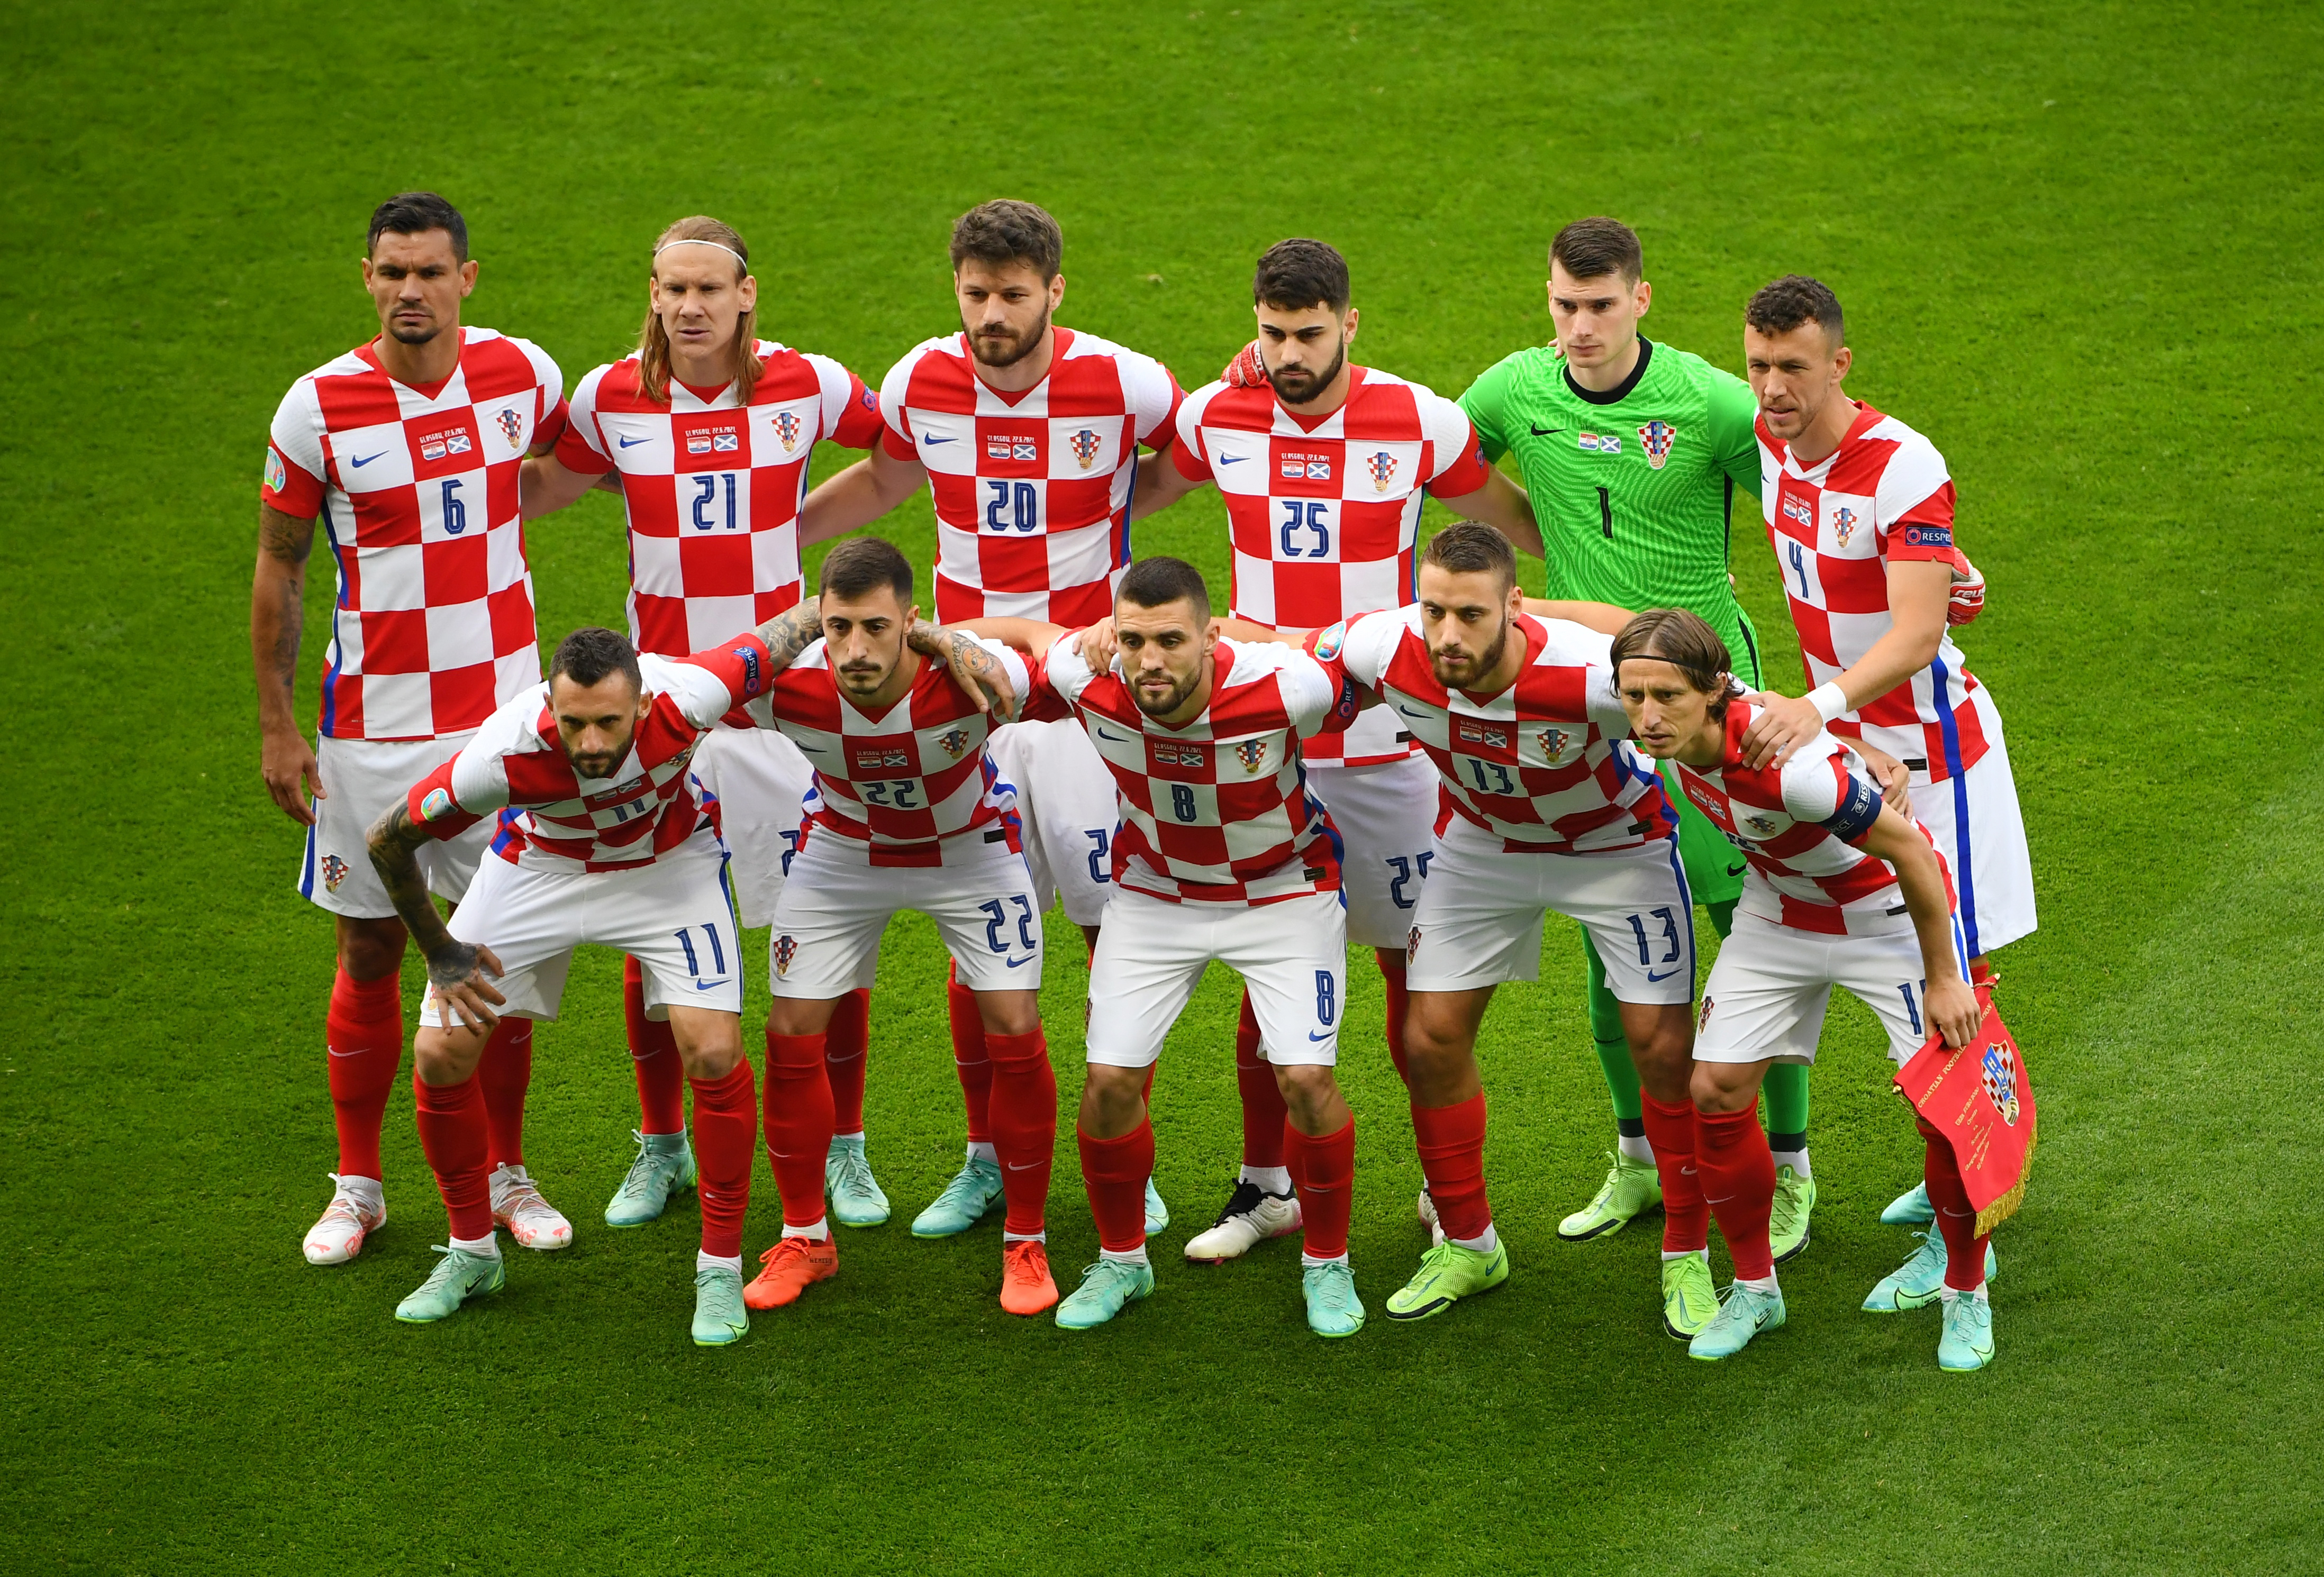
[
  {"x": 1594, "y": 247},
  {"x": 1783, "y": 305},
  {"x": 588, "y": 655},
  {"x": 860, "y": 565},
  {"x": 1157, "y": 582},
  {"x": 1299, "y": 274},
  {"x": 415, "y": 213},
  {"x": 1685, "y": 642},
  {"x": 1472, "y": 547},
  {"x": 1006, "y": 230}
]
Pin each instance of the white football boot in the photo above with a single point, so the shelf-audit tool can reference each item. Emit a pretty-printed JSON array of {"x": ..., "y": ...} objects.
[
  {"x": 1252, "y": 1216},
  {"x": 357, "y": 1207},
  {"x": 530, "y": 1219}
]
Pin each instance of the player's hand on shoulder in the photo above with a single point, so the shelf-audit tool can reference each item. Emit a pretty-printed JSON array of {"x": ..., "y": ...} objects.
[
  {"x": 1967, "y": 600},
  {"x": 1246, "y": 371},
  {"x": 286, "y": 761},
  {"x": 1954, "y": 1010},
  {"x": 457, "y": 974},
  {"x": 976, "y": 671},
  {"x": 1784, "y": 723},
  {"x": 1893, "y": 777},
  {"x": 1096, "y": 644}
]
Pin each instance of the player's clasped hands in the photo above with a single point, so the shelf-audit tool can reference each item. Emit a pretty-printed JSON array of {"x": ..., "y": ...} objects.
[{"x": 456, "y": 976}]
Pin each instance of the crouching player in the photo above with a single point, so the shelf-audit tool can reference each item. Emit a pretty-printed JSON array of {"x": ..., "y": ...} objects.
[
  {"x": 602, "y": 839},
  {"x": 1223, "y": 855},
  {"x": 908, "y": 811},
  {"x": 1840, "y": 890}
]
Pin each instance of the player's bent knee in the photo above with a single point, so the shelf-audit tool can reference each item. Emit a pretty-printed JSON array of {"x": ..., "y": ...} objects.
[
  {"x": 447, "y": 1056},
  {"x": 1008, "y": 1012},
  {"x": 1112, "y": 1100},
  {"x": 799, "y": 1015},
  {"x": 1726, "y": 1086},
  {"x": 1310, "y": 1093},
  {"x": 709, "y": 1043}
]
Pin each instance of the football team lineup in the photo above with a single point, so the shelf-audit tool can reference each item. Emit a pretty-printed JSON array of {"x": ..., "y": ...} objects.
[{"x": 1376, "y": 744}]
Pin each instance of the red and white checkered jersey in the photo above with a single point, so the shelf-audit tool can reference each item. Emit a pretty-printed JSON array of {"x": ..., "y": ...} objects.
[
  {"x": 1032, "y": 490},
  {"x": 552, "y": 818},
  {"x": 713, "y": 486},
  {"x": 1882, "y": 497},
  {"x": 1217, "y": 811},
  {"x": 1547, "y": 765},
  {"x": 1324, "y": 513},
  {"x": 1797, "y": 828},
  {"x": 416, "y": 490},
  {"x": 910, "y": 784}
]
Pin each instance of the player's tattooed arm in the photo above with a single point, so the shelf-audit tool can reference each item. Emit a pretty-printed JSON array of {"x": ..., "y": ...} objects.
[
  {"x": 1503, "y": 505},
  {"x": 278, "y": 588},
  {"x": 973, "y": 667},
  {"x": 456, "y": 970},
  {"x": 792, "y": 631}
]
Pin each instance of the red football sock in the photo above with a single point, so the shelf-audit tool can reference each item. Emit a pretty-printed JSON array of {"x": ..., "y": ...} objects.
[
  {"x": 1324, "y": 1170},
  {"x": 364, "y": 1041},
  {"x": 1737, "y": 1175},
  {"x": 1451, "y": 1143},
  {"x": 725, "y": 1132},
  {"x": 846, "y": 1039},
  {"x": 1024, "y": 1125},
  {"x": 653, "y": 1054},
  {"x": 1114, "y": 1171},
  {"x": 1263, "y": 1112},
  {"x": 1670, "y": 1130},
  {"x": 970, "y": 1059},
  {"x": 1398, "y": 1003},
  {"x": 799, "y": 1123},
  {"x": 1956, "y": 1216},
  {"x": 504, "y": 1074},
  {"x": 452, "y": 1131}
]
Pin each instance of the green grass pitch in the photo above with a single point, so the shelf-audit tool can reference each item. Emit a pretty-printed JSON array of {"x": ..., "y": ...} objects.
[{"x": 2079, "y": 246}]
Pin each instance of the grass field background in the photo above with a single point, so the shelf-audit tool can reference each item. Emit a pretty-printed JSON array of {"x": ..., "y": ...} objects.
[{"x": 2078, "y": 246}]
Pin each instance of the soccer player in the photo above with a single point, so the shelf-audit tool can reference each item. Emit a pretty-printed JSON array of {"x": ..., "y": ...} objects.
[
  {"x": 1631, "y": 451},
  {"x": 908, "y": 812},
  {"x": 709, "y": 428},
  {"x": 1322, "y": 464},
  {"x": 1860, "y": 511},
  {"x": 406, "y": 449},
  {"x": 1547, "y": 807},
  {"x": 1841, "y": 892},
  {"x": 1027, "y": 435},
  {"x": 1224, "y": 855}
]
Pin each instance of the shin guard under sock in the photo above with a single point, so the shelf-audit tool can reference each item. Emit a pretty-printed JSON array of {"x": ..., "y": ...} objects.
[
  {"x": 1324, "y": 1170},
  {"x": 653, "y": 1055},
  {"x": 1451, "y": 1144},
  {"x": 451, "y": 1119},
  {"x": 846, "y": 1040},
  {"x": 1263, "y": 1112},
  {"x": 725, "y": 1132},
  {"x": 362, "y": 1044},
  {"x": 1024, "y": 1126},
  {"x": 1956, "y": 1216},
  {"x": 1738, "y": 1179},
  {"x": 504, "y": 1074},
  {"x": 969, "y": 1058},
  {"x": 799, "y": 1123},
  {"x": 1686, "y": 1217},
  {"x": 1114, "y": 1171}
]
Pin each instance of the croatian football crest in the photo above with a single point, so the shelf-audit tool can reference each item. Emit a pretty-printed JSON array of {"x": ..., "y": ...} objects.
[
  {"x": 511, "y": 425},
  {"x": 1843, "y": 525},
  {"x": 953, "y": 743},
  {"x": 335, "y": 871},
  {"x": 1382, "y": 468},
  {"x": 1412, "y": 946},
  {"x": 1252, "y": 755},
  {"x": 2001, "y": 1081},
  {"x": 787, "y": 429},
  {"x": 1703, "y": 1018},
  {"x": 1083, "y": 446},
  {"x": 785, "y": 950},
  {"x": 1554, "y": 742},
  {"x": 1654, "y": 437},
  {"x": 1764, "y": 826}
]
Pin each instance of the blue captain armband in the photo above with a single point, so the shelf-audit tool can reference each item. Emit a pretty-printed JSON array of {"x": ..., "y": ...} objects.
[{"x": 1859, "y": 807}]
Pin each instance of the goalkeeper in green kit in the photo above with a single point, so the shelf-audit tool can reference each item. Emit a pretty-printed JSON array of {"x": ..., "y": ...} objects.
[{"x": 1632, "y": 453}]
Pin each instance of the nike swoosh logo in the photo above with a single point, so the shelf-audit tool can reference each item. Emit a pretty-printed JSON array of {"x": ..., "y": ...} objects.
[
  {"x": 1542, "y": 432},
  {"x": 932, "y": 439},
  {"x": 1230, "y": 459},
  {"x": 1022, "y": 1167},
  {"x": 1117, "y": 738},
  {"x": 1408, "y": 712},
  {"x": 364, "y": 460},
  {"x": 812, "y": 750},
  {"x": 704, "y": 985},
  {"x": 334, "y": 1051},
  {"x": 1017, "y": 963},
  {"x": 1326, "y": 1036},
  {"x": 1666, "y": 975},
  {"x": 631, "y": 443},
  {"x": 1737, "y": 870}
]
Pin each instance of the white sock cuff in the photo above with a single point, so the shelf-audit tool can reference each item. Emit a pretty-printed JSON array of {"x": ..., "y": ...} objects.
[
  {"x": 1275, "y": 1180},
  {"x": 1134, "y": 1257},
  {"x": 487, "y": 1247},
  {"x": 819, "y": 1233},
  {"x": 1308, "y": 1262},
  {"x": 1010, "y": 1236},
  {"x": 704, "y": 1261},
  {"x": 982, "y": 1150}
]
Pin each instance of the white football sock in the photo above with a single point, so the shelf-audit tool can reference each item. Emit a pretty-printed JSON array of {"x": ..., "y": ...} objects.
[
  {"x": 1275, "y": 1180},
  {"x": 1757, "y": 1283},
  {"x": 1797, "y": 1160},
  {"x": 819, "y": 1233},
  {"x": 703, "y": 1261},
  {"x": 487, "y": 1247},
  {"x": 1134, "y": 1257},
  {"x": 1307, "y": 1260},
  {"x": 841, "y": 1138},
  {"x": 1702, "y": 1254},
  {"x": 982, "y": 1150},
  {"x": 1483, "y": 1244},
  {"x": 1633, "y": 1146},
  {"x": 1010, "y": 1236}
]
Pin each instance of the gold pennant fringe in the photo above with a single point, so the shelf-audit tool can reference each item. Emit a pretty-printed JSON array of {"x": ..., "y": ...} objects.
[{"x": 2002, "y": 1208}]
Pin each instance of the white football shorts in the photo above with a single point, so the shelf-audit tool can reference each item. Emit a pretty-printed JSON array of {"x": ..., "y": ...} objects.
[
  {"x": 1481, "y": 915},
  {"x": 1387, "y": 819},
  {"x": 361, "y": 778},
  {"x": 1066, "y": 799},
  {"x": 1292, "y": 955},
  {"x": 672, "y": 915},
  {"x": 761, "y": 780},
  {"x": 1768, "y": 987},
  {"x": 835, "y": 906},
  {"x": 1976, "y": 823}
]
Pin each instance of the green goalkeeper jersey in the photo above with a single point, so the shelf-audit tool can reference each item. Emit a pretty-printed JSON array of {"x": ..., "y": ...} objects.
[{"x": 1635, "y": 487}]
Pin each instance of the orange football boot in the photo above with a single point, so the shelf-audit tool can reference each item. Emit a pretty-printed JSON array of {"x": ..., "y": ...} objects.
[
  {"x": 1026, "y": 1285},
  {"x": 792, "y": 1265}
]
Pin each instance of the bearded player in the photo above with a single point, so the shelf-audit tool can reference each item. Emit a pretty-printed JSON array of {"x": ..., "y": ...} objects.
[
  {"x": 406, "y": 450},
  {"x": 709, "y": 429},
  {"x": 1322, "y": 464},
  {"x": 1843, "y": 891},
  {"x": 908, "y": 812},
  {"x": 1547, "y": 807},
  {"x": 1860, "y": 511},
  {"x": 1027, "y": 435},
  {"x": 1224, "y": 855}
]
